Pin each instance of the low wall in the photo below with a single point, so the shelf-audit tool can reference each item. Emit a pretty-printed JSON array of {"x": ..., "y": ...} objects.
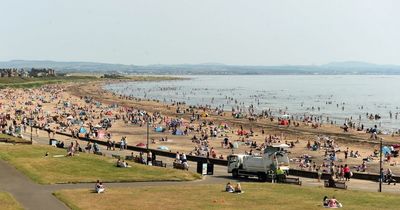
[{"x": 293, "y": 172}]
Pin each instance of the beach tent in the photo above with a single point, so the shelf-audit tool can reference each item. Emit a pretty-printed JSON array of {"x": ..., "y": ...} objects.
[
  {"x": 242, "y": 132},
  {"x": 204, "y": 114},
  {"x": 177, "y": 132},
  {"x": 67, "y": 104},
  {"x": 82, "y": 130},
  {"x": 238, "y": 115},
  {"x": 140, "y": 145},
  {"x": 386, "y": 150},
  {"x": 163, "y": 148},
  {"x": 160, "y": 129},
  {"x": 76, "y": 122},
  {"x": 284, "y": 122},
  {"x": 70, "y": 117}
]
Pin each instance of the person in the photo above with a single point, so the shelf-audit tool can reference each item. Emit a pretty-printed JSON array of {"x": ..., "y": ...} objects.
[
  {"x": 238, "y": 188},
  {"x": 389, "y": 177},
  {"x": 99, "y": 188},
  {"x": 319, "y": 173},
  {"x": 122, "y": 144},
  {"x": 229, "y": 188},
  {"x": 333, "y": 203},
  {"x": 325, "y": 201},
  {"x": 347, "y": 173},
  {"x": 149, "y": 158},
  {"x": 280, "y": 175},
  {"x": 71, "y": 150},
  {"x": 185, "y": 165},
  {"x": 331, "y": 181},
  {"x": 122, "y": 163},
  {"x": 183, "y": 157}
]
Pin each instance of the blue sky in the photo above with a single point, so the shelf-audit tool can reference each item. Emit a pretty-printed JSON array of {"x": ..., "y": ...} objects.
[{"x": 248, "y": 32}]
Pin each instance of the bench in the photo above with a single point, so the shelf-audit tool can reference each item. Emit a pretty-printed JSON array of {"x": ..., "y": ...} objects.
[
  {"x": 4, "y": 140},
  {"x": 338, "y": 184},
  {"x": 134, "y": 159},
  {"x": 286, "y": 180},
  {"x": 98, "y": 153},
  {"x": 180, "y": 166},
  {"x": 292, "y": 180},
  {"x": 159, "y": 163},
  {"x": 116, "y": 156},
  {"x": 129, "y": 157}
]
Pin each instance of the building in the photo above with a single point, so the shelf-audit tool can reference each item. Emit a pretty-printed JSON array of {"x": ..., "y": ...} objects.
[
  {"x": 13, "y": 72},
  {"x": 42, "y": 72}
]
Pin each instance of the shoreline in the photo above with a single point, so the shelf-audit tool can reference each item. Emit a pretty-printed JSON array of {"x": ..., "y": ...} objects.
[{"x": 75, "y": 94}]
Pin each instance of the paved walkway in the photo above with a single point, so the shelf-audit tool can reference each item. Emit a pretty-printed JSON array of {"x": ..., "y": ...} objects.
[
  {"x": 39, "y": 197},
  {"x": 29, "y": 194}
]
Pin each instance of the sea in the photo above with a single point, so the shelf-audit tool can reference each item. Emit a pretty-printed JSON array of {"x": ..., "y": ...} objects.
[{"x": 337, "y": 97}]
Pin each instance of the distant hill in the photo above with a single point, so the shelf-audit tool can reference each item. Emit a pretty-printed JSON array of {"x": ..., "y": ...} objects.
[{"x": 348, "y": 67}]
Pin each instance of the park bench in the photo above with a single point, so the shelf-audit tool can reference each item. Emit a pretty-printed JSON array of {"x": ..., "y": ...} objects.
[
  {"x": 116, "y": 156},
  {"x": 338, "y": 184},
  {"x": 4, "y": 140},
  {"x": 129, "y": 157},
  {"x": 286, "y": 180},
  {"x": 180, "y": 166},
  {"x": 98, "y": 153},
  {"x": 159, "y": 163},
  {"x": 134, "y": 159},
  {"x": 292, "y": 180}
]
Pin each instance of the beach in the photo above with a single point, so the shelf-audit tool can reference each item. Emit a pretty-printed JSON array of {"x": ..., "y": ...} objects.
[{"x": 89, "y": 104}]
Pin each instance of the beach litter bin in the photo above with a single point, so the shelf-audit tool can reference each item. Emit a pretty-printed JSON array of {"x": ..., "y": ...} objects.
[
  {"x": 205, "y": 168},
  {"x": 53, "y": 142}
]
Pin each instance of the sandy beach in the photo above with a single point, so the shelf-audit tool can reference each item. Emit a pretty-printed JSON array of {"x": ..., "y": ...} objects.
[{"x": 89, "y": 104}]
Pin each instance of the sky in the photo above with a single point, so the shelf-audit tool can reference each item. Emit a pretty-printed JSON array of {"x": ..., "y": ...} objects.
[{"x": 248, "y": 32}]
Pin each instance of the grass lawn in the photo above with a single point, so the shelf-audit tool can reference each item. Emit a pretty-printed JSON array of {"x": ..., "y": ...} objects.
[
  {"x": 7, "y": 202},
  {"x": 12, "y": 138},
  {"x": 83, "y": 168},
  {"x": 17, "y": 82},
  {"x": 256, "y": 196}
]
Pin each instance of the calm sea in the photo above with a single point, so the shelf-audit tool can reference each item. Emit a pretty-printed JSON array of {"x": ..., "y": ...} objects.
[{"x": 337, "y": 97}]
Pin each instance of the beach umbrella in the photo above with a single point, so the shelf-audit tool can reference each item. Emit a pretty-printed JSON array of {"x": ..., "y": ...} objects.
[
  {"x": 386, "y": 150},
  {"x": 82, "y": 130},
  {"x": 163, "y": 148},
  {"x": 159, "y": 129},
  {"x": 140, "y": 145}
]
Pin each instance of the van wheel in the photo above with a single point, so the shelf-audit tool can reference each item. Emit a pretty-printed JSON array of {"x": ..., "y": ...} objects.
[
  {"x": 262, "y": 177},
  {"x": 235, "y": 173}
]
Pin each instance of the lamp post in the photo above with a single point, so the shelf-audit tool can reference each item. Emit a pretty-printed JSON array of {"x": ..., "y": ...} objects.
[
  {"x": 148, "y": 135},
  {"x": 380, "y": 167},
  {"x": 148, "y": 125},
  {"x": 31, "y": 124}
]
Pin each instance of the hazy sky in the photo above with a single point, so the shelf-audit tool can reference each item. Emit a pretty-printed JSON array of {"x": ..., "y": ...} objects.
[{"x": 248, "y": 32}]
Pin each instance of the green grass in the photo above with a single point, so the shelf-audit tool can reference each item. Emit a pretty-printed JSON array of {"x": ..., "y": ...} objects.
[
  {"x": 18, "y": 82},
  {"x": 13, "y": 139},
  {"x": 7, "y": 202},
  {"x": 256, "y": 196},
  {"x": 30, "y": 160}
]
